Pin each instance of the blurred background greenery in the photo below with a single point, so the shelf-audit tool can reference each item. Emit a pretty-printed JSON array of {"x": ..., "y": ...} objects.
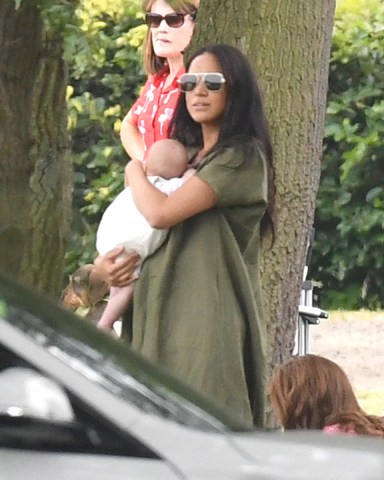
[
  {"x": 102, "y": 48},
  {"x": 348, "y": 255}
]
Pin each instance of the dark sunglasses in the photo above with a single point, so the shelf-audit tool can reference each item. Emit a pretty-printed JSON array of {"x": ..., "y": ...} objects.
[
  {"x": 212, "y": 81},
  {"x": 173, "y": 20}
]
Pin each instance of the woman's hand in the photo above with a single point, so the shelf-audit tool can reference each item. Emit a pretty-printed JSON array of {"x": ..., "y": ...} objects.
[{"x": 117, "y": 267}]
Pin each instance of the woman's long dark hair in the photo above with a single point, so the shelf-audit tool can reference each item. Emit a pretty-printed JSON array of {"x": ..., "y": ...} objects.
[{"x": 243, "y": 118}]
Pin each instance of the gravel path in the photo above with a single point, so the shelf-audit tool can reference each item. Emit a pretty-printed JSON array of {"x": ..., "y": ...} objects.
[{"x": 354, "y": 340}]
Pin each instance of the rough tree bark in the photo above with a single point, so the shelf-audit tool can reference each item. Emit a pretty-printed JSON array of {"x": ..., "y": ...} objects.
[
  {"x": 288, "y": 43},
  {"x": 35, "y": 168}
]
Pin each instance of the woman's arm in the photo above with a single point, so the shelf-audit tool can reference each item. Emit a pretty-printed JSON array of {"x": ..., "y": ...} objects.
[
  {"x": 131, "y": 138},
  {"x": 162, "y": 211}
]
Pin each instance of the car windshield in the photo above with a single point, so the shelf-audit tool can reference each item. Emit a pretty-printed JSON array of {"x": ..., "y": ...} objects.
[{"x": 110, "y": 363}]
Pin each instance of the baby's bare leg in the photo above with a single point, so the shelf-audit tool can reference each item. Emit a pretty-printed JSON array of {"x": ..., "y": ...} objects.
[{"x": 119, "y": 299}]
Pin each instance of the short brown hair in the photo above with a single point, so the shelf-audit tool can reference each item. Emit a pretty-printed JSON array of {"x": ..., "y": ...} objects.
[
  {"x": 306, "y": 390},
  {"x": 152, "y": 63}
]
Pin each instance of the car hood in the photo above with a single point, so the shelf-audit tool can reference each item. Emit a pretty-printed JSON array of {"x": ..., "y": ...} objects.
[{"x": 328, "y": 457}]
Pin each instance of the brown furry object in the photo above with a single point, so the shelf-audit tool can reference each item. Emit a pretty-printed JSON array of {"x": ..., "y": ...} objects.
[{"x": 85, "y": 293}]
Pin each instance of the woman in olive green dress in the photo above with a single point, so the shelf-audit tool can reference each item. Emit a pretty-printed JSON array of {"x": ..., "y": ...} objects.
[{"x": 197, "y": 304}]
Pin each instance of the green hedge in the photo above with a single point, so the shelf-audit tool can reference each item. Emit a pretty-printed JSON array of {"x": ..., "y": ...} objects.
[
  {"x": 348, "y": 256},
  {"x": 103, "y": 52}
]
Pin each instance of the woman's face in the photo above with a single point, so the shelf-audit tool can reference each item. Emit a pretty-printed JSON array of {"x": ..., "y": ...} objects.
[
  {"x": 170, "y": 42},
  {"x": 206, "y": 106}
]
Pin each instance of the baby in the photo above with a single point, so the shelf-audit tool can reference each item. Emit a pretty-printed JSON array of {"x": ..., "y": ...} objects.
[{"x": 123, "y": 225}]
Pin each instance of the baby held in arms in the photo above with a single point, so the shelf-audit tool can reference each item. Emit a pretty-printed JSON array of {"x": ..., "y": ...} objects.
[{"x": 122, "y": 224}]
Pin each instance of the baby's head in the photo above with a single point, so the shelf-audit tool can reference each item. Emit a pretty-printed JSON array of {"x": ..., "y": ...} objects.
[{"x": 167, "y": 158}]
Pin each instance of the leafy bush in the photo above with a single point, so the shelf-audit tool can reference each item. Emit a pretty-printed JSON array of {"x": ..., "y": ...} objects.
[
  {"x": 102, "y": 47},
  {"x": 103, "y": 52},
  {"x": 348, "y": 256}
]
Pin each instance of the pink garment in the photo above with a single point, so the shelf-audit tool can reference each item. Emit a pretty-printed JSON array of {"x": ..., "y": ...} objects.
[{"x": 336, "y": 428}]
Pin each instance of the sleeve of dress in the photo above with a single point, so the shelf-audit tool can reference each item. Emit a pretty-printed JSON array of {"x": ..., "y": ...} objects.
[{"x": 236, "y": 180}]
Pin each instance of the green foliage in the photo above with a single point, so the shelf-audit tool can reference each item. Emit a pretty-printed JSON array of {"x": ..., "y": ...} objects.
[
  {"x": 3, "y": 308},
  {"x": 103, "y": 53},
  {"x": 348, "y": 255},
  {"x": 59, "y": 16},
  {"x": 102, "y": 47}
]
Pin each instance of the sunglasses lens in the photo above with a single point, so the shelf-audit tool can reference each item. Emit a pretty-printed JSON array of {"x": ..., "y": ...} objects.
[
  {"x": 153, "y": 20},
  {"x": 187, "y": 82},
  {"x": 174, "y": 20},
  {"x": 213, "y": 81}
]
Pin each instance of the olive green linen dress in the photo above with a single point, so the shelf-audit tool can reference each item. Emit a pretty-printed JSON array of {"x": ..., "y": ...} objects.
[{"x": 197, "y": 306}]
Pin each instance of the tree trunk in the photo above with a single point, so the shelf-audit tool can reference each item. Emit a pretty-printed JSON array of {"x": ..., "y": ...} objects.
[
  {"x": 35, "y": 168},
  {"x": 289, "y": 45}
]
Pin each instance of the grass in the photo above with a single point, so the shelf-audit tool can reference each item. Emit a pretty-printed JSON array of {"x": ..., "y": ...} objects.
[
  {"x": 372, "y": 401},
  {"x": 363, "y": 315}
]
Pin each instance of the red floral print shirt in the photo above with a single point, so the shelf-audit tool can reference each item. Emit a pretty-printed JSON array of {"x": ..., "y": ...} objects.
[{"x": 153, "y": 110}]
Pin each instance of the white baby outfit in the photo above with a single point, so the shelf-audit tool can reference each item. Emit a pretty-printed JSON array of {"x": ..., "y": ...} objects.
[{"x": 123, "y": 225}]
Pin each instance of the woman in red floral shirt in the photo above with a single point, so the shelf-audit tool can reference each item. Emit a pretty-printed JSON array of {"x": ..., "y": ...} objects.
[{"x": 171, "y": 24}]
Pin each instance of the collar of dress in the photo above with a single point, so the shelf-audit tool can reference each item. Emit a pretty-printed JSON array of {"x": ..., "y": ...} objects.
[{"x": 163, "y": 74}]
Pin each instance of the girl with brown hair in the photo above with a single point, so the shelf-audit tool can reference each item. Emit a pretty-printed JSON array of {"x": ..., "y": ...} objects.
[{"x": 313, "y": 392}]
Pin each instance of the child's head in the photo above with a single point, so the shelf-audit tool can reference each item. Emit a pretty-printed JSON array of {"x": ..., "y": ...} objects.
[
  {"x": 307, "y": 389},
  {"x": 167, "y": 158}
]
